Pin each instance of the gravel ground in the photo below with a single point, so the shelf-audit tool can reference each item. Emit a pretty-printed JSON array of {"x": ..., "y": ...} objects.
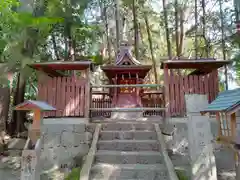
[{"x": 10, "y": 170}]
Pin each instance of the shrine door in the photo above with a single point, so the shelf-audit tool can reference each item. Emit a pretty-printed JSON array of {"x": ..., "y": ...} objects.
[{"x": 127, "y": 95}]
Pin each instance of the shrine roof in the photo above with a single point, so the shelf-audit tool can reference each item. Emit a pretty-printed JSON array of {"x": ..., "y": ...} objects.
[
  {"x": 31, "y": 105},
  {"x": 54, "y": 68},
  {"x": 203, "y": 64},
  {"x": 112, "y": 70},
  {"x": 226, "y": 101},
  {"x": 125, "y": 51}
]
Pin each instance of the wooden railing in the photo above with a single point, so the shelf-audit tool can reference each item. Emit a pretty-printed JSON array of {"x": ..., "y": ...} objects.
[
  {"x": 154, "y": 102},
  {"x": 67, "y": 94},
  {"x": 101, "y": 103}
]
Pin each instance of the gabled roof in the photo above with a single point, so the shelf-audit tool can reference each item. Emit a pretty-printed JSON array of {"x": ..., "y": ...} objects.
[
  {"x": 112, "y": 70},
  {"x": 31, "y": 105},
  {"x": 225, "y": 102},
  {"x": 125, "y": 51},
  {"x": 205, "y": 65},
  {"x": 54, "y": 68}
]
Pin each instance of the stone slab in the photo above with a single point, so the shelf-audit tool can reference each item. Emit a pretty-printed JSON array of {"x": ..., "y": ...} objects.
[
  {"x": 16, "y": 143},
  {"x": 51, "y": 140},
  {"x": 133, "y": 157},
  {"x": 195, "y": 102},
  {"x": 129, "y": 145},
  {"x": 128, "y": 171},
  {"x": 62, "y": 155},
  {"x": 70, "y": 139},
  {"x": 79, "y": 128},
  {"x": 65, "y": 120},
  {"x": 138, "y": 135},
  {"x": 168, "y": 130},
  {"x": 58, "y": 128}
]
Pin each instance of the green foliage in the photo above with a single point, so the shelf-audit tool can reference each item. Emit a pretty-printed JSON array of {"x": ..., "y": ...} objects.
[
  {"x": 74, "y": 174},
  {"x": 236, "y": 64},
  {"x": 181, "y": 175}
]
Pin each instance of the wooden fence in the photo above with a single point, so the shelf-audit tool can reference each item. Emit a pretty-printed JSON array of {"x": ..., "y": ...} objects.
[
  {"x": 66, "y": 94},
  {"x": 179, "y": 85},
  {"x": 101, "y": 103},
  {"x": 153, "y": 100}
]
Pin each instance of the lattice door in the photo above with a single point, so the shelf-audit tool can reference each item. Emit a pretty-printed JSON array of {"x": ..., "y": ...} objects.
[{"x": 127, "y": 89}]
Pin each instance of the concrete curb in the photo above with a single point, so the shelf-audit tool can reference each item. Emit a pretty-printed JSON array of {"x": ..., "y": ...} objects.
[
  {"x": 167, "y": 160},
  {"x": 85, "y": 171}
]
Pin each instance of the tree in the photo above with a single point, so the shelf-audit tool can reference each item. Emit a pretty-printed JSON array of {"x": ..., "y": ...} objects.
[{"x": 136, "y": 29}]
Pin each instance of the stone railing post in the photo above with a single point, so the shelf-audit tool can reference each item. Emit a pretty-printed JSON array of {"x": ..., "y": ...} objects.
[
  {"x": 237, "y": 165},
  {"x": 202, "y": 159}
]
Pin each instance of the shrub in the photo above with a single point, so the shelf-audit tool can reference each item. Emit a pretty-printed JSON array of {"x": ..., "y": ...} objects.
[{"x": 74, "y": 174}]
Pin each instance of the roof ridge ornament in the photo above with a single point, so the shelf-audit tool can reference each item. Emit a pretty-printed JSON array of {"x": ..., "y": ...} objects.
[{"x": 125, "y": 50}]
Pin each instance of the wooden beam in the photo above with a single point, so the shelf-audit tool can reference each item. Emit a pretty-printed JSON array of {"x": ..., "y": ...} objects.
[
  {"x": 128, "y": 109},
  {"x": 233, "y": 125},
  {"x": 126, "y": 85},
  {"x": 219, "y": 124},
  {"x": 88, "y": 95},
  {"x": 166, "y": 91}
]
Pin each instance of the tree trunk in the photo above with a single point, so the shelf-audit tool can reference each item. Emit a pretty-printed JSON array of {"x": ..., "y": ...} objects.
[
  {"x": 196, "y": 26},
  {"x": 5, "y": 102},
  {"x": 151, "y": 47},
  {"x": 223, "y": 44},
  {"x": 107, "y": 34},
  {"x": 237, "y": 9},
  {"x": 182, "y": 33},
  {"x": 18, "y": 117},
  {"x": 136, "y": 29},
  {"x": 169, "y": 48},
  {"x": 66, "y": 48},
  {"x": 204, "y": 28},
  {"x": 105, "y": 21},
  {"x": 117, "y": 17},
  {"x": 55, "y": 46},
  {"x": 176, "y": 27}
]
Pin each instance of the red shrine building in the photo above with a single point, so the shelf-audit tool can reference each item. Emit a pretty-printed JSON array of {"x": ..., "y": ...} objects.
[{"x": 126, "y": 70}]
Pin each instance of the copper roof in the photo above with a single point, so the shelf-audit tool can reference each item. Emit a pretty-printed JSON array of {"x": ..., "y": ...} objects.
[
  {"x": 112, "y": 70},
  {"x": 125, "y": 51},
  {"x": 204, "y": 64},
  {"x": 31, "y": 105},
  {"x": 53, "y": 68}
]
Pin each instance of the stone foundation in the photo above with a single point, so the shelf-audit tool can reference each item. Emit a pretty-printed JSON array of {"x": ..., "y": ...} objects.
[
  {"x": 64, "y": 141},
  {"x": 191, "y": 144}
]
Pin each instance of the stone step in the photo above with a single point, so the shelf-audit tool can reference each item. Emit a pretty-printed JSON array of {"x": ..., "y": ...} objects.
[
  {"x": 128, "y": 171},
  {"x": 113, "y": 178},
  {"x": 128, "y": 157},
  {"x": 138, "y": 135},
  {"x": 128, "y": 145},
  {"x": 127, "y": 126}
]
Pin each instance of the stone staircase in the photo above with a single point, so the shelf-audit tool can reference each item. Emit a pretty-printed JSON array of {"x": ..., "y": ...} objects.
[{"x": 128, "y": 151}]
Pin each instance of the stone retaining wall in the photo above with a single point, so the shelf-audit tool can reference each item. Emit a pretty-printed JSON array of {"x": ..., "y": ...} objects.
[{"x": 64, "y": 141}]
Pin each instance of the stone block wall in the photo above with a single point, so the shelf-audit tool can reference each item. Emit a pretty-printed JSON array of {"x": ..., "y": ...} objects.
[
  {"x": 64, "y": 141},
  {"x": 179, "y": 141}
]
